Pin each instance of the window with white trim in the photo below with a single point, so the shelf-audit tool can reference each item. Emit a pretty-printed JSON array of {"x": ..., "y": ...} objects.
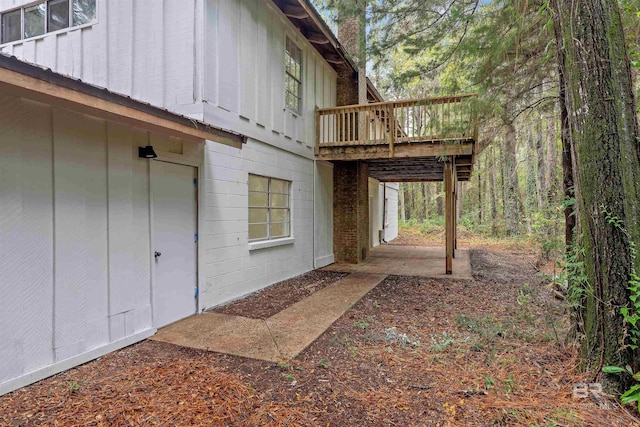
[
  {"x": 293, "y": 77},
  {"x": 269, "y": 208},
  {"x": 45, "y": 17}
]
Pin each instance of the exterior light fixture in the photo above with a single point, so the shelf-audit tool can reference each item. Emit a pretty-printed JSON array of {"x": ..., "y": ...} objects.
[{"x": 147, "y": 152}]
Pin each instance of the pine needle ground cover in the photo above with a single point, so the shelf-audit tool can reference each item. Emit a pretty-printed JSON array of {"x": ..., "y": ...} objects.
[{"x": 413, "y": 352}]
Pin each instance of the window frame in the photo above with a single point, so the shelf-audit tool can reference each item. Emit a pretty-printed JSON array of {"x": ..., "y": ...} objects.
[
  {"x": 47, "y": 30},
  {"x": 287, "y": 222},
  {"x": 289, "y": 41}
]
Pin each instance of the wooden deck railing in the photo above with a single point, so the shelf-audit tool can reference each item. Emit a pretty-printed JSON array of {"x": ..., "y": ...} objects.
[{"x": 415, "y": 120}]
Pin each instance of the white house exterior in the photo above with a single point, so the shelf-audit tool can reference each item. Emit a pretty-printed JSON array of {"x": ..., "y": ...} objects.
[{"x": 93, "y": 238}]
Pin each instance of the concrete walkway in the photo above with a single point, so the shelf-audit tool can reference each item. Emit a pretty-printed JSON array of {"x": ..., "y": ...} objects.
[
  {"x": 423, "y": 261},
  {"x": 278, "y": 338}
]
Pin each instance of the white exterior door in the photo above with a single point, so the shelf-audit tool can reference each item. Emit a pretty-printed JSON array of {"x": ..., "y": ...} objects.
[{"x": 173, "y": 192}]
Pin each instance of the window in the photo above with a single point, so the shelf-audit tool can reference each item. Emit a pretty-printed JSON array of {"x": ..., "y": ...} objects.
[
  {"x": 11, "y": 26},
  {"x": 84, "y": 11},
  {"x": 45, "y": 17},
  {"x": 293, "y": 77},
  {"x": 34, "y": 20},
  {"x": 269, "y": 208},
  {"x": 57, "y": 14}
]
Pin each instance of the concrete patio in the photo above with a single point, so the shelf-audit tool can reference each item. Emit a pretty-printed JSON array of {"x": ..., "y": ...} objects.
[
  {"x": 422, "y": 261},
  {"x": 286, "y": 334}
]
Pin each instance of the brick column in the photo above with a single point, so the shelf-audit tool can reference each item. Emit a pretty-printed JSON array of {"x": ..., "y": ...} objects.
[{"x": 350, "y": 211}]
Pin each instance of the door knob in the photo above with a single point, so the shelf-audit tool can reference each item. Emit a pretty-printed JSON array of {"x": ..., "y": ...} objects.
[{"x": 156, "y": 254}]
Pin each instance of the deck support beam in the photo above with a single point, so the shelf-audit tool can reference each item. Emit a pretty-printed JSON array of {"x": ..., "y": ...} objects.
[{"x": 449, "y": 215}]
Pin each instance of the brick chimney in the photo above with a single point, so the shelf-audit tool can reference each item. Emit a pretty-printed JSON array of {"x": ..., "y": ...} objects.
[{"x": 354, "y": 89}]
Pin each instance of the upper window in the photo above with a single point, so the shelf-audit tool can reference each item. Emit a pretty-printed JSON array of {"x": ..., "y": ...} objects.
[
  {"x": 293, "y": 77},
  {"x": 269, "y": 208},
  {"x": 45, "y": 17}
]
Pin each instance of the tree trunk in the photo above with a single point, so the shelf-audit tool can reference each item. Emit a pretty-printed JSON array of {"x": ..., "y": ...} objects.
[
  {"x": 439, "y": 207},
  {"x": 542, "y": 167},
  {"x": 510, "y": 182},
  {"x": 533, "y": 204},
  {"x": 602, "y": 129},
  {"x": 552, "y": 162},
  {"x": 492, "y": 192},
  {"x": 403, "y": 215}
]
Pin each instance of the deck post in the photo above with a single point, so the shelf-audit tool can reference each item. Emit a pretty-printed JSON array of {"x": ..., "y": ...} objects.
[
  {"x": 391, "y": 119},
  {"x": 454, "y": 173},
  {"x": 449, "y": 209}
]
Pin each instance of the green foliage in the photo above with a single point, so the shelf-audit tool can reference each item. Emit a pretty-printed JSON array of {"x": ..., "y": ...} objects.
[
  {"x": 73, "y": 386},
  {"x": 441, "y": 343},
  {"x": 361, "y": 324},
  {"x": 323, "y": 364},
  {"x": 488, "y": 382},
  {"x": 630, "y": 313},
  {"x": 574, "y": 276},
  {"x": 633, "y": 393}
]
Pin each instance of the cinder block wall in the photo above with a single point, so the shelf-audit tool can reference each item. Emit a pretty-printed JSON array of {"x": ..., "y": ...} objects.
[{"x": 351, "y": 212}]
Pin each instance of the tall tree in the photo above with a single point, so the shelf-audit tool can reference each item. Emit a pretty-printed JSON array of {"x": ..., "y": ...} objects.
[{"x": 602, "y": 135}]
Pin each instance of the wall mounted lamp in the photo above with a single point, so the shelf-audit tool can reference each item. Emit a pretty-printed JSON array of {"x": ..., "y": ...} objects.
[{"x": 147, "y": 152}]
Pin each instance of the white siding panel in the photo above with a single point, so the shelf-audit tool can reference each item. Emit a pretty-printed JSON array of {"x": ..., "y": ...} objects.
[
  {"x": 92, "y": 133},
  {"x": 148, "y": 52},
  {"x": 26, "y": 237},
  {"x": 75, "y": 43},
  {"x": 179, "y": 51},
  {"x": 263, "y": 72},
  {"x": 29, "y": 51},
  {"x": 17, "y": 50},
  {"x": 121, "y": 238},
  {"x": 120, "y": 46},
  {"x": 71, "y": 251},
  {"x": 95, "y": 63},
  {"x": 309, "y": 94},
  {"x": 139, "y": 289},
  {"x": 328, "y": 96},
  {"x": 276, "y": 64},
  {"x": 228, "y": 50},
  {"x": 46, "y": 50},
  {"x": 64, "y": 56},
  {"x": 248, "y": 55},
  {"x": 291, "y": 125},
  {"x": 210, "y": 52}
]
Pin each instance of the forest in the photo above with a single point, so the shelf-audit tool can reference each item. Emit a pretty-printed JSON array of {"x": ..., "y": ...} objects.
[{"x": 557, "y": 159}]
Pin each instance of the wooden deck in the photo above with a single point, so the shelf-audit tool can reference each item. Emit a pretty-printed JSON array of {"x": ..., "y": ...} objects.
[
  {"x": 402, "y": 140},
  {"x": 428, "y": 139}
]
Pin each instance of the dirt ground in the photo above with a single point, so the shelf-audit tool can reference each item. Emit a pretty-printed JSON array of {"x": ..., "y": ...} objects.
[{"x": 413, "y": 352}]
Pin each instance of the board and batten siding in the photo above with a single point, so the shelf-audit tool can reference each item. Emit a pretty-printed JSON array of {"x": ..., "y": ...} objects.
[
  {"x": 75, "y": 268},
  {"x": 146, "y": 49},
  {"x": 244, "y": 75},
  {"x": 221, "y": 61}
]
